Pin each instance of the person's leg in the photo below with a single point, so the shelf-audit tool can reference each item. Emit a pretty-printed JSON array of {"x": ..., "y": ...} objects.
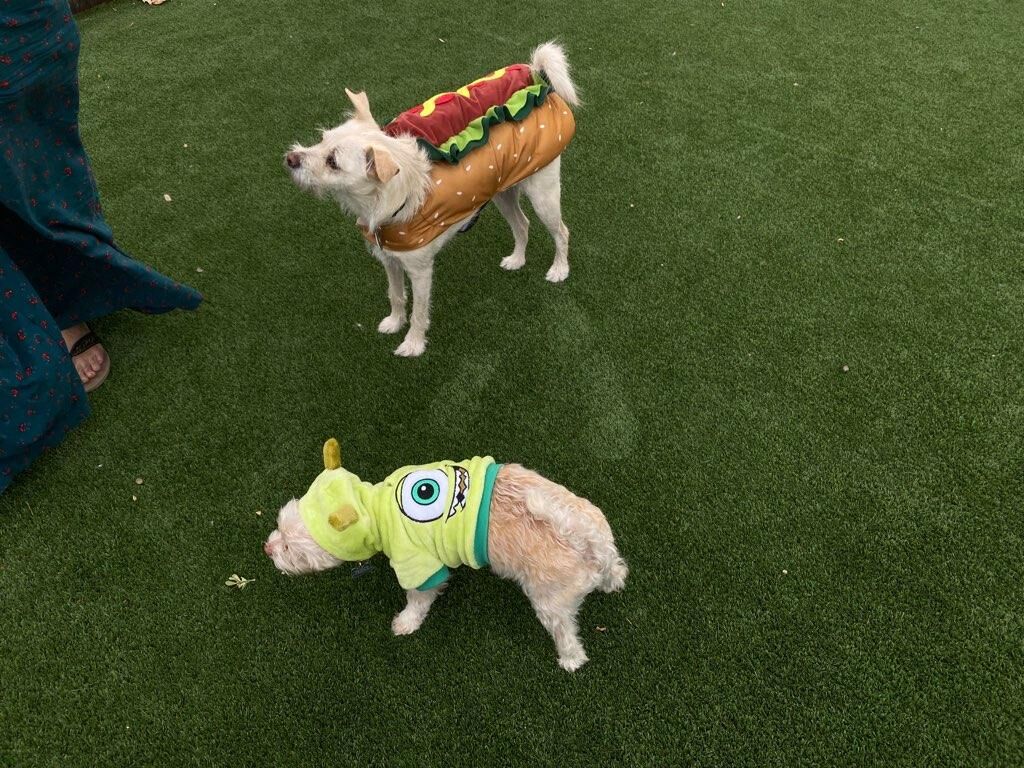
[{"x": 41, "y": 397}]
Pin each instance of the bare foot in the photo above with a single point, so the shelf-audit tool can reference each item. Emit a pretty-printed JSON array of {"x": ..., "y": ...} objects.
[{"x": 89, "y": 363}]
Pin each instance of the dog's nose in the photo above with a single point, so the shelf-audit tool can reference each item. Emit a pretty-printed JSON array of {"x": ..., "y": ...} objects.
[
  {"x": 293, "y": 159},
  {"x": 266, "y": 548}
]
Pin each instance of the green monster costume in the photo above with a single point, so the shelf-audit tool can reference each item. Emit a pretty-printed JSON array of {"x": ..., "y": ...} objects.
[{"x": 427, "y": 519}]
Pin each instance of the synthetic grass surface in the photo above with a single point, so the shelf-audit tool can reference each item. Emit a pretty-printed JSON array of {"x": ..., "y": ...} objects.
[{"x": 826, "y": 566}]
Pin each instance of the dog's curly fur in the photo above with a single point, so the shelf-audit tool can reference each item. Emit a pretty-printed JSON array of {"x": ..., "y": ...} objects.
[{"x": 556, "y": 545}]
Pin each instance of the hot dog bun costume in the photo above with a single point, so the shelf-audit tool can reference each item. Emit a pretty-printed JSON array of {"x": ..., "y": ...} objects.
[
  {"x": 483, "y": 138},
  {"x": 427, "y": 519}
]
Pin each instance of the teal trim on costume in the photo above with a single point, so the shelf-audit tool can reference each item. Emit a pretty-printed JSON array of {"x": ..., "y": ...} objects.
[
  {"x": 483, "y": 516},
  {"x": 439, "y": 578}
]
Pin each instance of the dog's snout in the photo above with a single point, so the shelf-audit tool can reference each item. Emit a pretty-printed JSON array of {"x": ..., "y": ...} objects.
[
  {"x": 293, "y": 159},
  {"x": 266, "y": 548}
]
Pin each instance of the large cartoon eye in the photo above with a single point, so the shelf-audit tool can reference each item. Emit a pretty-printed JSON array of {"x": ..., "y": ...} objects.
[{"x": 422, "y": 494}]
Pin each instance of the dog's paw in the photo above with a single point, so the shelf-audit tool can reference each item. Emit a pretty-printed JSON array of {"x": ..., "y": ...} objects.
[
  {"x": 406, "y": 624},
  {"x": 391, "y": 324},
  {"x": 513, "y": 262},
  {"x": 570, "y": 663},
  {"x": 411, "y": 347},
  {"x": 558, "y": 272}
]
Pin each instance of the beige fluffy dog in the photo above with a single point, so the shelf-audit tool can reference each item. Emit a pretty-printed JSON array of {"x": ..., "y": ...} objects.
[
  {"x": 556, "y": 545},
  {"x": 388, "y": 180}
]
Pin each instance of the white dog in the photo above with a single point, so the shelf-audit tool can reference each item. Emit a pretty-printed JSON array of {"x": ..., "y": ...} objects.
[
  {"x": 429, "y": 518},
  {"x": 389, "y": 179}
]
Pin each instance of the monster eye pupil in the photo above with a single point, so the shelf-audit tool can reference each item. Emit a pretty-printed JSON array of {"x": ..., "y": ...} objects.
[{"x": 423, "y": 491}]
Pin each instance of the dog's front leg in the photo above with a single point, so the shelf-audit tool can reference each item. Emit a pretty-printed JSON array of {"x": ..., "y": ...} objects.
[
  {"x": 396, "y": 294},
  {"x": 417, "y": 606},
  {"x": 420, "y": 269}
]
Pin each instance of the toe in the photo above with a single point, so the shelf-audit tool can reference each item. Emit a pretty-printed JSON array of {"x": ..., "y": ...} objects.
[{"x": 99, "y": 357}]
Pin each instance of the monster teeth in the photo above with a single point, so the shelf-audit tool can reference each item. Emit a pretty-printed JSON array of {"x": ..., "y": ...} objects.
[{"x": 461, "y": 488}]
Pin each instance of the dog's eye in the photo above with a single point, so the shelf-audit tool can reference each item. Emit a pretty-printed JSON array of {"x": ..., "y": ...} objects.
[{"x": 331, "y": 162}]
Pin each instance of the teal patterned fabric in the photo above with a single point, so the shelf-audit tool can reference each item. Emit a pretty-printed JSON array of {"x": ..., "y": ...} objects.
[{"x": 59, "y": 264}]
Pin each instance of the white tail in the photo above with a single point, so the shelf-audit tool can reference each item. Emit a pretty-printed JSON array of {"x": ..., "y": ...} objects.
[
  {"x": 549, "y": 58},
  {"x": 586, "y": 531}
]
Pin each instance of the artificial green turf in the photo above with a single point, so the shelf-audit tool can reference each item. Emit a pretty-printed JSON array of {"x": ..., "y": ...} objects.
[{"x": 826, "y": 566}]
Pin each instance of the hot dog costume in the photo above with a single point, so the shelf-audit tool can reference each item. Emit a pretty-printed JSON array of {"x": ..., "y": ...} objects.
[
  {"x": 427, "y": 519},
  {"x": 483, "y": 138}
]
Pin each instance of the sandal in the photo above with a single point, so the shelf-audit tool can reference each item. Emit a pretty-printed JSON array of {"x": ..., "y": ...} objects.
[{"x": 87, "y": 342}]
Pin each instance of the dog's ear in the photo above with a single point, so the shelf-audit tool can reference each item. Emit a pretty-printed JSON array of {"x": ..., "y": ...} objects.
[
  {"x": 343, "y": 517},
  {"x": 362, "y": 105},
  {"x": 380, "y": 165}
]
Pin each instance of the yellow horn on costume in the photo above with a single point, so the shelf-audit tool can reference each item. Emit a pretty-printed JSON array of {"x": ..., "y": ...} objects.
[{"x": 332, "y": 454}]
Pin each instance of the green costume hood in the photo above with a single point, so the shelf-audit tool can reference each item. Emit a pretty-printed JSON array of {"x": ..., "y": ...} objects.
[{"x": 330, "y": 510}]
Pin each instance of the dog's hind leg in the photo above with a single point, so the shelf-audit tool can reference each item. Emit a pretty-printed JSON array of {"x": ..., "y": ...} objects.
[
  {"x": 396, "y": 294},
  {"x": 417, "y": 606},
  {"x": 544, "y": 189},
  {"x": 508, "y": 203},
  {"x": 556, "y": 606}
]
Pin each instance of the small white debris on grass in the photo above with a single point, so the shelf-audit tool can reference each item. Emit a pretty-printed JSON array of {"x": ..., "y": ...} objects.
[
  {"x": 238, "y": 582},
  {"x": 259, "y": 512},
  {"x": 840, "y": 240},
  {"x": 167, "y": 198},
  {"x": 441, "y": 40},
  {"x": 138, "y": 481},
  {"x": 601, "y": 629},
  {"x": 846, "y": 369},
  {"x": 154, "y": 2},
  {"x": 134, "y": 497},
  {"x": 200, "y": 269},
  {"x": 785, "y": 572}
]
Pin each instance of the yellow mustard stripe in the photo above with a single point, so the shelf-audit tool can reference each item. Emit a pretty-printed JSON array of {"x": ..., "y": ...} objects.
[{"x": 431, "y": 104}]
